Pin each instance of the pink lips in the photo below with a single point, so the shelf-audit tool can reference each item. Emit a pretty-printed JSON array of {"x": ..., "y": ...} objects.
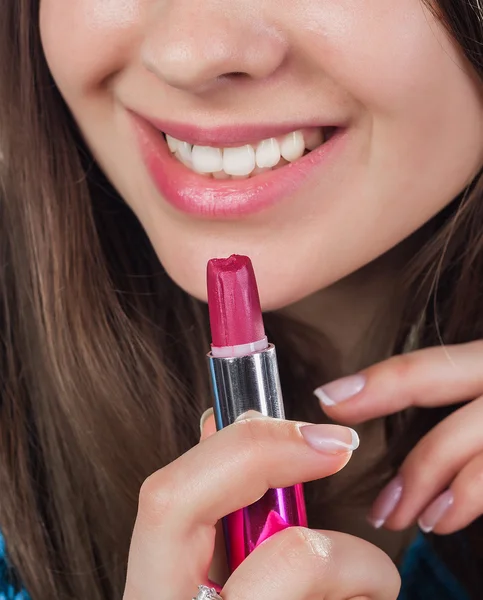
[{"x": 198, "y": 195}]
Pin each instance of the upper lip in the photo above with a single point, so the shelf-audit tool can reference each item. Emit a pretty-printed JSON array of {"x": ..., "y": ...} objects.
[{"x": 227, "y": 135}]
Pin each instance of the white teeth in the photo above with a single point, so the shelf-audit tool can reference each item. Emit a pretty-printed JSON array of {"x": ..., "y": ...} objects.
[
  {"x": 184, "y": 150},
  {"x": 268, "y": 153},
  {"x": 185, "y": 161},
  {"x": 239, "y": 161},
  {"x": 292, "y": 146},
  {"x": 206, "y": 159},
  {"x": 245, "y": 161},
  {"x": 172, "y": 143}
]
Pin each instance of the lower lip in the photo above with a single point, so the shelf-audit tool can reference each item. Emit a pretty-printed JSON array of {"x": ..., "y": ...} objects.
[{"x": 197, "y": 195}]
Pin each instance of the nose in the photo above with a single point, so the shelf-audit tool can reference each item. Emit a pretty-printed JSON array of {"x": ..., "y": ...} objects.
[{"x": 193, "y": 45}]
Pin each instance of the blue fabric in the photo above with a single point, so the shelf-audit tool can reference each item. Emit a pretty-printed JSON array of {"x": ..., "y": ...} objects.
[
  {"x": 423, "y": 576},
  {"x": 8, "y": 590}
]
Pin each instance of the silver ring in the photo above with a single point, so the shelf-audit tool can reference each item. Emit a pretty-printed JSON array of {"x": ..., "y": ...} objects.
[{"x": 206, "y": 593}]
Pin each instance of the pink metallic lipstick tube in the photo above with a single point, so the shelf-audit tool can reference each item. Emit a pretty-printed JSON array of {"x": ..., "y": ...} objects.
[{"x": 244, "y": 376}]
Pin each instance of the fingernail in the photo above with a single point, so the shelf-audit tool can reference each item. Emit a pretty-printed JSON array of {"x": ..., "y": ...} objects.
[
  {"x": 330, "y": 439},
  {"x": 436, "y": 511},
  {"x": 340, "y": 390},
  {"x": 386, "y": 502},
  {"x": 204, "y": 417},
  {"x": 251, "y": 414}
]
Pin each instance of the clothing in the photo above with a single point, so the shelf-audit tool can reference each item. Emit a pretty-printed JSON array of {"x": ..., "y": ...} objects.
[
  {"x": 424, "y": 576},
  {"x": 8, "y": 589}
]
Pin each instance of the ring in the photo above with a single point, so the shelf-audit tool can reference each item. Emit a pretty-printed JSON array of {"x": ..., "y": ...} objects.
[{"x": 206, "y": 593}]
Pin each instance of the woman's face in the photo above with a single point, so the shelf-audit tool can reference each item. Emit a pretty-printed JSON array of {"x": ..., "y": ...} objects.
[{"x": 226, "y": 74}]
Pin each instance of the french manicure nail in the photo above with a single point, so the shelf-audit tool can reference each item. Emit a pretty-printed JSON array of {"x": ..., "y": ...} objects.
[
  {"x": 251, "y": 414},
  {"x": 340, "y": 390},
  {"x": 204, "y": 417},
  {"x": 436, "y": 511},
  {"x": 330, "y": 439},
  {"x": 386, "y": 502}
]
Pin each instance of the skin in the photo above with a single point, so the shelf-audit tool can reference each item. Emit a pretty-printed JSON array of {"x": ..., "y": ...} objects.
[
  {"x": 414, "y": 112},
  {"x": 386, "y": 69},
  {"x": 178, "y": 511}
]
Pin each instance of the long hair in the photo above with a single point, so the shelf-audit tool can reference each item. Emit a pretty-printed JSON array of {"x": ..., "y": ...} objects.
[{"x": 101, "y": 380}]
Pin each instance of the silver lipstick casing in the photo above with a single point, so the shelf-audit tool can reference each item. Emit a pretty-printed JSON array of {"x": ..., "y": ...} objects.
[
  {"x": 239, "y": 384},
  {"x": 243, "y": 383}
]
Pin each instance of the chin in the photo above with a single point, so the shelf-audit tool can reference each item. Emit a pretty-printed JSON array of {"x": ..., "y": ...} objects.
[{"x": 277, "y": 289}]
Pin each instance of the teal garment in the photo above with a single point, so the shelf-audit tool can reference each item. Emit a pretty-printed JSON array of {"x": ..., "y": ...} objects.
[
  {"x": 424, "y": 577},
  {"x": 9, "y": 589}
]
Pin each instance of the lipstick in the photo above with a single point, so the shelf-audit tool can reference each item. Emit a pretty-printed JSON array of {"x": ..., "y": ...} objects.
[{"x": 244, "y": 376}]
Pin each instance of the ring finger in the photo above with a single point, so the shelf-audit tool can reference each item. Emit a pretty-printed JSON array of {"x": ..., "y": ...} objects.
[{"x": 432, "y": 465}]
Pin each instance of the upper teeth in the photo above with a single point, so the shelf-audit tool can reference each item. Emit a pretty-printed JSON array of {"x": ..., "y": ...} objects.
[{"x": 243, "y": 160}]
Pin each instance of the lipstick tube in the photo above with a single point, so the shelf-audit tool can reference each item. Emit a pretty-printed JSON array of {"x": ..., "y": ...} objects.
[
  {"x": 245, "y": 377},
  {"x": 243, "y": 383}
]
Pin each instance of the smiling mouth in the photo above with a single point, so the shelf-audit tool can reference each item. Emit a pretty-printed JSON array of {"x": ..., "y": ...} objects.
[
  {"x": 248, "y": 160},
  {"x": 196, "y": 172}
]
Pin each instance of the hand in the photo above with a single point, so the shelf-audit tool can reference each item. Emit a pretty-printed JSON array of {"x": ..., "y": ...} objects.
[
  {"x": 440, "y": 483},
  {"x": 174, "y": 535}
]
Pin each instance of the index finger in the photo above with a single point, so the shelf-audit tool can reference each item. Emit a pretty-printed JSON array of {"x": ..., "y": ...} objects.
[
  {"x": 180, "y": 504},
  {"x": 431, "y": 377},
  {"x": 235, "y": 467}
]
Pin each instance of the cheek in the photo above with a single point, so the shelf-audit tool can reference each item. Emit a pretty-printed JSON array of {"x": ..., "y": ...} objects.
[
  {"x": 86, "y": 41},
  {"x": 395, "y": 59},
  {"x": 380, "y": 51},
  {"x": 421, "y": 109}
]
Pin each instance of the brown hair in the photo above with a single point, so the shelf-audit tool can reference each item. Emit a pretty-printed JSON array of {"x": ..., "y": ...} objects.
[{"x": 96, "y": 388}]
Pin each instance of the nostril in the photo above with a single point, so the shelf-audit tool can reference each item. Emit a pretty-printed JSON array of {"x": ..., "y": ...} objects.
[{"x": 233, "y": 75}]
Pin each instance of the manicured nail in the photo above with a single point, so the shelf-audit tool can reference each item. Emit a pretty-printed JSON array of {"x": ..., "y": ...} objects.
[
  {"x": 251, "y": 414},
  {"x": 330, "y": 439},
  {"x": 340, "y": 390},
  {"x": 204, "y": 417},
  {"x": 436, "y": 511},
  {"x": 386, "y": 502}
]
